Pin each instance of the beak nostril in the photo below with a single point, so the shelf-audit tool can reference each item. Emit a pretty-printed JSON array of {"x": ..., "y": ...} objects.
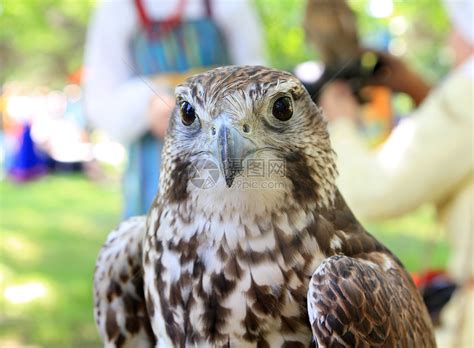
[
  {"x": 246, "y": 128},
  {"x": 213, "y": 131}
]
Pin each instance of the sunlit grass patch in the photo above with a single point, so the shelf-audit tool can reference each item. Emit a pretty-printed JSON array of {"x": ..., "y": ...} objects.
[
  {"x": 24, "y": 293},
  {"x": 17, "y": 246},
  {"x": 50, "y": 234}
]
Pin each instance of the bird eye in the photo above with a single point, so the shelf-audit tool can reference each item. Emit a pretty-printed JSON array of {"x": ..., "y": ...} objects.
[
  {"x": 283, "y": 109},
  {"x": 188, "y": 114}
]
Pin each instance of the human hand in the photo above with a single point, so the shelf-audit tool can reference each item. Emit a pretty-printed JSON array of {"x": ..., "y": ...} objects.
[
  {"x": 338, "y": 101},
  {"x": 159, "y": 111},
  {"x": 397, "y": 76}
]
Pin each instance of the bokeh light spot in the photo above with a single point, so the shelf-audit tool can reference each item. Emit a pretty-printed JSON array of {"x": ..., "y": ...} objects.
[{"x": 24, "y": 293}]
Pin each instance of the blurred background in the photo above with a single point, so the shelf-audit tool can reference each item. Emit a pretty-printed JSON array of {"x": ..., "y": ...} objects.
[{"x": 60, "y": 177}]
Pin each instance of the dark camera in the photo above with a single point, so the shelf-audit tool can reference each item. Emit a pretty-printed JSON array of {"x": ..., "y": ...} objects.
[{"x": 356, "y": 72}]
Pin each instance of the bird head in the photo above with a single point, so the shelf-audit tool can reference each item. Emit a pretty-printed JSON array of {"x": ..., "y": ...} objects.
[{"x": 250, "y": 130}]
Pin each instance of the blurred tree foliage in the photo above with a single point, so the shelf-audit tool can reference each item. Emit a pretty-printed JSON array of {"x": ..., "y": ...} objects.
[
  {"x": 282, "y": 22},
  {"x": 42, "y": 40},
  {"x": 425, "y": 36},
  {"x": 426, "y": 29}
]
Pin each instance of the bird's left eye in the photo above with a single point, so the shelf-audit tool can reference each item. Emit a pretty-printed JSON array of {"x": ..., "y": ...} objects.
[
  {"x": 188, "y": 114},
  {"x": 282, "y": 108}
]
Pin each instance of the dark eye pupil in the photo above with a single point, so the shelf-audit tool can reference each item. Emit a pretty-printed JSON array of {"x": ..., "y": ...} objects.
[
  {"x": 188, "y": 115},
  {"x": 282, "y": 109}
]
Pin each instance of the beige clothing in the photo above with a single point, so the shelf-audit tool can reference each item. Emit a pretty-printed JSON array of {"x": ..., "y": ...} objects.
[{"x": 428, "y": 158}]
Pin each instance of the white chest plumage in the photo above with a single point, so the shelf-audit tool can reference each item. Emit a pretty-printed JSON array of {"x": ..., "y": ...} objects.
[{"x": 234, "y": 280}]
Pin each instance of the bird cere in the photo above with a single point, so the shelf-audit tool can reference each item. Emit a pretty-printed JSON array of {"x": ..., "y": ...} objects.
[{"x": 229, "y": 258}]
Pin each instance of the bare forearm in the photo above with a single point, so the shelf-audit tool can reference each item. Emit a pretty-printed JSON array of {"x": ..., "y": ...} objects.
[{"x": 417, "y": 89}]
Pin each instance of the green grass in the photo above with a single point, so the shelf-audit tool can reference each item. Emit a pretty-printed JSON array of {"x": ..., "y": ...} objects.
[
  {"x": 52, "y": 229},
  {"x": 415, "y": 238},
  {"x": 50, "y": 233}
]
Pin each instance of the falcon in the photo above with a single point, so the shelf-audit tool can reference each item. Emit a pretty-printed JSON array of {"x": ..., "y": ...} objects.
[{"x": 264, "y": 254}]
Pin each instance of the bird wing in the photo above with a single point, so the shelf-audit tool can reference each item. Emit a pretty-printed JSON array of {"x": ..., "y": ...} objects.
[
  {"x": 368, "y": 301},
  {"x": 119, "y": 304}
]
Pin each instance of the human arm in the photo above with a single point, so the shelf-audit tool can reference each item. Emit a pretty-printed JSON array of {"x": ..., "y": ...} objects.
[
  {"x": 423, "y": 160},
  {"x": 396, "y": 75}
]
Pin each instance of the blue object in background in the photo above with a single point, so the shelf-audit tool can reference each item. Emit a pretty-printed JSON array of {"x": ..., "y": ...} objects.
[{"x": 27, "y": 164}]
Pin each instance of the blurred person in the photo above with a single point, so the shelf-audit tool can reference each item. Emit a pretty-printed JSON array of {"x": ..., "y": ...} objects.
[
  {"x": 137, "y": 51},
  {"x": 428, "y": 158},
  {"x": 331, "y": 28}
]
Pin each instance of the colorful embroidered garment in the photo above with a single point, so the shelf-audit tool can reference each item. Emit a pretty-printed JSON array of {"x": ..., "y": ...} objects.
[{"x": 169, "y": 46}]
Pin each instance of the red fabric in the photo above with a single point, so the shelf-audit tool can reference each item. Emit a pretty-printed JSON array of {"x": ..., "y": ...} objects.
[
  {"x": 426, "y": 277},
  {"x": 169, "y": 23},
  {"x": 144, "y": 19}
]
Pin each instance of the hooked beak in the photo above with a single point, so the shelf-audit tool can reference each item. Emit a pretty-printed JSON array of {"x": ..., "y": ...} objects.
[{"x": 232, "y": 147}]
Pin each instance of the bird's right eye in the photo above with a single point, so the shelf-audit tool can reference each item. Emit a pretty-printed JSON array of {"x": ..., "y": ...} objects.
[
  {"x": 283, "y": 109},
  {"x": 188, "y": 114}
]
